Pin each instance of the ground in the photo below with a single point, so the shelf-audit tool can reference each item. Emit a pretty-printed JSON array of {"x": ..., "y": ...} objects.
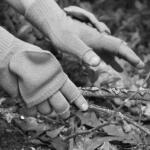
[{"x": 128, "y": 20}]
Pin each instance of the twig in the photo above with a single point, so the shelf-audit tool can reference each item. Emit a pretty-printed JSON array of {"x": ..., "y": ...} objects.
[
  {"x": 96, "y": 92},
  {"x": 141, "y": 94},
  {"x": 87, "y": 132},
  {"x": 109, "y": 112},
  {"x": 130, "y": 97},
  {"x": 120, "y": 115}
]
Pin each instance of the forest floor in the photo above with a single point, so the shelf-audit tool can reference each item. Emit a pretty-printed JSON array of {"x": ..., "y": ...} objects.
[{"x": 128, "y": 20}]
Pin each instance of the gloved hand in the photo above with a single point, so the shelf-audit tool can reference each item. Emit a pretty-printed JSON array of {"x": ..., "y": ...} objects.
[
  {"x": 88, "y": 17},
  {"x": 36, "y": 76},
  {"x": 76, "y": 37}
]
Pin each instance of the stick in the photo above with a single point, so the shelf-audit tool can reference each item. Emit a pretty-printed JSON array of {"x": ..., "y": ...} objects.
[
  {"x": 109, "y": 112},
  {"x": 88, "y": 131},
  {"x": 142, "y": 94},
  {"x": 120, "y": 115}
]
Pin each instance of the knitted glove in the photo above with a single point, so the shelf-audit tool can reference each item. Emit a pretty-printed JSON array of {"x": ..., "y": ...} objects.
[
  {"x": 27, "y": 70},
  {"x": 34, "y": 74},
  {"x": 73, "y": 36},
  {"x": 86, "y": 16}
]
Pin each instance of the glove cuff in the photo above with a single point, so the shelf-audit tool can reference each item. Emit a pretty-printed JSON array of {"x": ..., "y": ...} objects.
[
  {"x": 45, "y": 15},
  {"x": 5, "y": 40}
]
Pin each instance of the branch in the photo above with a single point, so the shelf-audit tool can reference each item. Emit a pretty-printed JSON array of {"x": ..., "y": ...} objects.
[
  {"x": 120, "y": 115},
  {"x": 142, "y": 94},
  {"x": 110, "y": 113},
  {"x": 88, "y": 131}
]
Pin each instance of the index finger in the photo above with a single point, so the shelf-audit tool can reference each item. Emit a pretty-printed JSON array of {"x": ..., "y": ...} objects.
[
  {"x": 72, "y": 93},
  {"x": 99, "y": 41},
  {"x": 121, "y": 49}
]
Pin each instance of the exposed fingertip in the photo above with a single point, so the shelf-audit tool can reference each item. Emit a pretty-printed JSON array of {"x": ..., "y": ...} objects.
[
  {"x": 67, "y": 9},
  {"x": 81, "y": 103},
  {"x": 108, "y": 31},
  {"x": 140, "y": 65},
  {"x": 44, "y": 108},
  {"x": 94, "y": 61},
  {"x": 91, "y": 59},
  {"x": 128, "y": 54},
  {"x": 84, "y": 106}
]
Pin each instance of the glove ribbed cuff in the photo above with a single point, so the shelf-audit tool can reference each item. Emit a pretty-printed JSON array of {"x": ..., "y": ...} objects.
[
  {"x": 5, "y": 41},
  {"x": 46, "y": 16}
]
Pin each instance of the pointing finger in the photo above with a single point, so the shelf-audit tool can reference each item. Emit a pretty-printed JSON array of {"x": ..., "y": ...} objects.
[{"x": 72, "y": 93}]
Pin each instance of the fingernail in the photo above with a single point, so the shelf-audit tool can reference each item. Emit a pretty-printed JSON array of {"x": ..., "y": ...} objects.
[
  {"x": 140, "y": 65},
  {"x": 94, "y": 61},
  {"x": 84, "y": 106},
  {"x": 65, "y": 114}
]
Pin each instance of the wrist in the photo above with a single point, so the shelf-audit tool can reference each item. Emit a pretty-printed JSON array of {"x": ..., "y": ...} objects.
[
  {"x": 47, "y": 16},
  {"x": 6, "y": 40}
]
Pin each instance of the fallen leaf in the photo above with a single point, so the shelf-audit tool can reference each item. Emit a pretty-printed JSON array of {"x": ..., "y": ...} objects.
[
  {"x": 107, "y": 146},
  {"x": 117, "y": 131},
  {"x": 114, "y": 130},
  {"x": 58, "y": 144},
  {"x": 89, "y": 119},
  {"x": 31, "y": 124},
  {"x": 54, "y": 133}
]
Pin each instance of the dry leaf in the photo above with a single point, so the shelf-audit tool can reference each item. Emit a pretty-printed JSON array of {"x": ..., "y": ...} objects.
[
  {"x": 107, "y": 146},
  {"x": 54, "y": 133},
  {"x": 31, "y": 124}
]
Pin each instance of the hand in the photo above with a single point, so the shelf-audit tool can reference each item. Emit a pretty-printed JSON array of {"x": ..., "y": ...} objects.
[
  {"x": 86, "y": 16},
  {"x": 76, "y": 37},
  {"x": 61, "y": 100},
  {"x": 100, "y": 42},
  {"x": 35, "y": 75},
  {"x": 79, "y": 33}
]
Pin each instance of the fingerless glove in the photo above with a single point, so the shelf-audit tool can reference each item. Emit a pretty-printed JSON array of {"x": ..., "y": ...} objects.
[
  {"x": 49, "y": 18},
  {"x": 28, "y": 71}
]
